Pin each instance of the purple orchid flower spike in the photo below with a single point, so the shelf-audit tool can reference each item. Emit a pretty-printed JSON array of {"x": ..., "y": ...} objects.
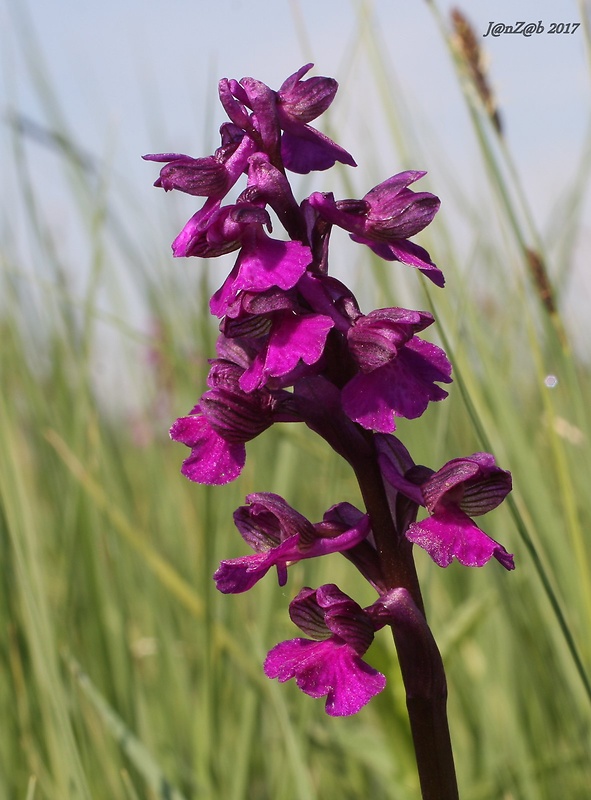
[
  {"x": 385, "y": 218},
  {"x": 398, "y": 369},
  {"x": 281, "y": 536},
  {"x": 329, "y": 663},
  {"x": 294, "y": 346},
  {"x": 461, "y": 489}
]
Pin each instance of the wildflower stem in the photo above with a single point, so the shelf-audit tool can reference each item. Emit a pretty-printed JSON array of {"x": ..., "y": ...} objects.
[
  {"x": 426, "y": 701},
  {"x": 419, "y": 658},
  {"x": 394, "y": 550}
]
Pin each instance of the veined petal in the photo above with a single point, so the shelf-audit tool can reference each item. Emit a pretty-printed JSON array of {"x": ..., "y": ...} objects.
[
  {"x": 450, "y": 533},
  {"x": 213, "y": 460},
  {"x": 196, "y": 176},
  {"x": 293, "y": 338},
  {"x": 398, "y": 212},
  {"x": 375, "y": 338},
  {"x": 263, "y": 102},
  {"x": 305, "y": 100},
  {"x": 195, "y": 229},
  {"x": 233, "y": 98},
  {"x": 281, "y": 537},
  {"x": 266, "y": 262},
  {"x": 475, "y": 483},
  {"x": 268, "y": 520},
  {"x": 330, "y": 668},
  {"x": 409, "y": 253},
  {"x": 392, "y": 186},
  {"x": 401, "y": 388},
  {"x": 263, "y": 263}
]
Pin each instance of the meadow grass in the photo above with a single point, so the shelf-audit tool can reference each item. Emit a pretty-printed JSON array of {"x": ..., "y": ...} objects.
[{"x": 126, "y": 675}]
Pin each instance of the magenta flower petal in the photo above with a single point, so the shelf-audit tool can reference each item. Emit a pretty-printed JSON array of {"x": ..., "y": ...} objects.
[
  {"x": 388, "y": 212},
  {"x": 269, "y": 262},
  {"x": 213, "y": 460},
  {"x": 303, "y": 101},
  {"x": 194, "y": 232},
  {"x": 451, "y": 533},
  {"x": 262, "y": 100},
  {"x": 396, "y": 211},
  {"x": 304, "y": 149},
  {"x": 203, "y": 177},
  {"x": 401, "y": 388},
  {"x": 233, "y": 99},
  {"x": 409, "y": 253},
  {"x": 262, "y": 263},
  {"x": 378, "y": 337},
  {"x": 211, "y": 176},
  {"x": 385, "y": 218},
  {"x": 237, "y": 575},
  {"x": 281, "y": 537},
  {"x": 292, "y": 339},
  {"x": 330, "y": 664},
  {"x": 330, "y": 668},
  {"x": 475, "y": 483},
  {"x": 268, "y": 519}
]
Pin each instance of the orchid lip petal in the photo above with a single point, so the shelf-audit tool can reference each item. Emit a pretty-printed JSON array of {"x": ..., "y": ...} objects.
[
  {"x": 326, "y": 669},
  {"x": 451, "y": 533}
]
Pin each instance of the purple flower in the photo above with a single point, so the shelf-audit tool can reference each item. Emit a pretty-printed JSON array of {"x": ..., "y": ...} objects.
[
  {"x": 330, "y": 297},
  {"x": 212, "y": 176},
  {"x": 213, "y": 459},
  {"x": 262, "y": 264},
  {"x": 461, "y": 489},
  {"x": 284, "y": 337},
  {"x": 216, "y": 230},
  {"x": 278, "y": 121},
  {"x": 225, "y": 419},
  {"x": 329, "y": 664},
  {"x": 303, "y": 101},
  {"x": 398, "y": 370},
  {"x": 303, "y": 148},
  {"x": 281, "y": 536},
  {"x": 385, "y": 218}
]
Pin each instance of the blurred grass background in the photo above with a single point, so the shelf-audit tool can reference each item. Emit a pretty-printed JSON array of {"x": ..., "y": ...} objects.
[{"x": 125, "y": 675}]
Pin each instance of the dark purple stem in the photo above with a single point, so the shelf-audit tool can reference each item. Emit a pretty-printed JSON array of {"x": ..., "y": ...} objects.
[{"x": 420, "y": 661}]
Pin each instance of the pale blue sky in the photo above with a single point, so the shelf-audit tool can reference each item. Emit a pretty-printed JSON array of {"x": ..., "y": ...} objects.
[
  {"x": 136, "y": 73},
  {"x": 137, "y": 76}
]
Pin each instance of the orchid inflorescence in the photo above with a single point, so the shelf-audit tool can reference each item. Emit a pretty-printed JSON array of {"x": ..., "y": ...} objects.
[{"x": 294, "y": 346}]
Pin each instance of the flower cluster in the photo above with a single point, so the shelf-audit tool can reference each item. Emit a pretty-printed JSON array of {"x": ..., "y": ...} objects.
[{"x": 294, "y": 346}]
